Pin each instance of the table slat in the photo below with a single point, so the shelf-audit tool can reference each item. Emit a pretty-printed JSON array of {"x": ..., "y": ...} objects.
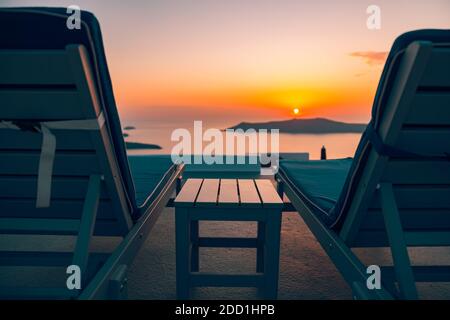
[
  {"x": 268, "y": 193},
  {"x": 189, "y": 192},
  {"x": 248, "y": 194},
  {"x": 228, "y": 192},
  {"x": 209, "y": 192}
]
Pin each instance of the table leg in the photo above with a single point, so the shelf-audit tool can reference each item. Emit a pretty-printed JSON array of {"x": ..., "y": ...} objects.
[
  {"x": 182, "y": 252},
  {"x": 195, "y": 247},
  {"x": 260, "y": 247},
  {"x": 272, "y": 253}
]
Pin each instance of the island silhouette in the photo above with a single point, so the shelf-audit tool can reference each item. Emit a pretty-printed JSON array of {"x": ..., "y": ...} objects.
[
  {"x": 138, "y": 145},
  {"x": 312, "y": 126}
]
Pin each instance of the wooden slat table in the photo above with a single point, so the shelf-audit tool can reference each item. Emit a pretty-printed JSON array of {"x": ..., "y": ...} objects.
[{"x": 228, "y": 200}]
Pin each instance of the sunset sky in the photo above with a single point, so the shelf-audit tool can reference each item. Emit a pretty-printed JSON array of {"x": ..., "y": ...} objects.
[{"x": 250, "y": 60}]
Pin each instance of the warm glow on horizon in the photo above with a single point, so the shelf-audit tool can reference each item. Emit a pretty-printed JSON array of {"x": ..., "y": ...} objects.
[{"x": 224, "y": 59}]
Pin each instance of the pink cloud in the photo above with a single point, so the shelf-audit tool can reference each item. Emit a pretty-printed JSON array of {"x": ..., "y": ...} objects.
[{"x": 371, "y": 57}]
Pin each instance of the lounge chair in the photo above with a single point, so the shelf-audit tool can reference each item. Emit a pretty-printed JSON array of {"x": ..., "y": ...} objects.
[
  {"x": 63, "y": 162},
  {"x": 396, "y": 191}
]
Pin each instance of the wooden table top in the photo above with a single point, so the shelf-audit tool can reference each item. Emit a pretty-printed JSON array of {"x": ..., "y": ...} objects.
[{"x": 251, "y": 193}]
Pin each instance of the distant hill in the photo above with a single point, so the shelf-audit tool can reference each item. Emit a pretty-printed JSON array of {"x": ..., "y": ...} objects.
[
  {"x": 315, "y": 126},
  {"x": 137, "y": 145}
]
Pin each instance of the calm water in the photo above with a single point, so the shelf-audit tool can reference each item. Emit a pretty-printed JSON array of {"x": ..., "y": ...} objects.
[{"x": 337, "y": 145}]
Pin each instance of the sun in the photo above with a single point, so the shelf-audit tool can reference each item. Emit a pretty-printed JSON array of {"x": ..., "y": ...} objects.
[{"x": 296, "y": 111}]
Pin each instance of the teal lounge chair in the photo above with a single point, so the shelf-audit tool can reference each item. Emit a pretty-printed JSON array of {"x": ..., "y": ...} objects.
[
  {"x": 63, "y": 164},
  {"x": 396, "y": 191}
]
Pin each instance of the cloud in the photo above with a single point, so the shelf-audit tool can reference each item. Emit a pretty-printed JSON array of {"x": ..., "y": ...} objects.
[{"x": 371, "y": 57}]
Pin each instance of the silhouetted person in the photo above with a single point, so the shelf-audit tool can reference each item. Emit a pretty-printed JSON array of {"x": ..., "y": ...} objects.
[{"x": 323, "y": 153}]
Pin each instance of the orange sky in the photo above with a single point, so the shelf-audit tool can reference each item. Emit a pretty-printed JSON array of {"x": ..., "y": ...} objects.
[{"x": 252, "y": 60}]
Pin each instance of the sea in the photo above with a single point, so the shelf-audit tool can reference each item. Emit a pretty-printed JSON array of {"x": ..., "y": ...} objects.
[{"x": 340, "y": 145}]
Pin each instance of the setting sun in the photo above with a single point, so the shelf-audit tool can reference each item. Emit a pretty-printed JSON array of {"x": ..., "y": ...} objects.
[{"x": 296, "y": 111}]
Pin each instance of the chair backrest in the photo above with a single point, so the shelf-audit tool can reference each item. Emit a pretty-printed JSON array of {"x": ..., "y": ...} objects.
[
  {"x": 413, "y": 121},
  {"x": 57, "y": 69},
  {"x": 57, "y": 85}
]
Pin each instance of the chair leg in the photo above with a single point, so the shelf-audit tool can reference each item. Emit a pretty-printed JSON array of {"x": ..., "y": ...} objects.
[
  {"x": 402, "y": 264},
  {"x": 260, "y": 247},
  {"x": 195, "y": 264},
  {"x": 118, "y": 284}
]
